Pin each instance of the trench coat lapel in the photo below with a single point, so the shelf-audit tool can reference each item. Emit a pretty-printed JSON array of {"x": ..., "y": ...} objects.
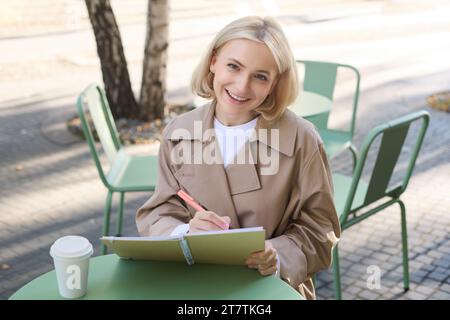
[{"x": 242, "y": 173}]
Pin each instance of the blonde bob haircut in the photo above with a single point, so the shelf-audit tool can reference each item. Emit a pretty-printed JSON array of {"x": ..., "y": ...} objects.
[{"x": 264, "y": 30}]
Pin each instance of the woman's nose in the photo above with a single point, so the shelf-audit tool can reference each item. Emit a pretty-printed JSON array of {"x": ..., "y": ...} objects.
[{"x": 242, "y": 84}]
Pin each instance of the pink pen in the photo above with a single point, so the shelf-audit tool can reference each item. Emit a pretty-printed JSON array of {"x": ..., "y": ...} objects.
[{"x": 190, "y": 201}]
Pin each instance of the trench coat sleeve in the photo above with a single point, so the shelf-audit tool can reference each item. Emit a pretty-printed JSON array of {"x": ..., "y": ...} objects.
[
  {"x": 306, "y": 245},
  {"x": 163, "y": 212}
]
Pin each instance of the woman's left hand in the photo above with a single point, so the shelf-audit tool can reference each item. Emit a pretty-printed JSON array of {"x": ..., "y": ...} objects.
[{"x": 265, "y": 261}]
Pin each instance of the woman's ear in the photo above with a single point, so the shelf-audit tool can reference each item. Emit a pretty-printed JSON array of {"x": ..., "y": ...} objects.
[{"x": 212, "y": 64}]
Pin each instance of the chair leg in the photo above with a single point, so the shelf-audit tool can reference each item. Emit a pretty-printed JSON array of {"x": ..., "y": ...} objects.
[
  {"x": 337, "y": 275},
  {"x": 120, "y": 215},
  {"x": 106, "y": 216},
  {"x": 354, "y": 155},
  {"x": 404, "y": 246}
]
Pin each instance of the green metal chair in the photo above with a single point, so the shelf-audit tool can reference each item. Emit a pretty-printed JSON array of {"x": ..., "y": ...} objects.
[
  {"x": 353, "y": 195},
  {"x": 320, "y": 78},
  {"x": 127, "y": 173}
]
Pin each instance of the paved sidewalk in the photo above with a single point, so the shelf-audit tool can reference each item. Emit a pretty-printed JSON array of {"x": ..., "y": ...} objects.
[{"x": 50, "y": 188}]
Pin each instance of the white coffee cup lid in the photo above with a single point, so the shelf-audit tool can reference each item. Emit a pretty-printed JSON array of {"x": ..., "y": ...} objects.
[{"x": 71, "y": 247}]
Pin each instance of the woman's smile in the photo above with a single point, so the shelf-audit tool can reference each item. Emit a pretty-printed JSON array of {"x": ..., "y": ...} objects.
[{"x": 236, "y": 99}]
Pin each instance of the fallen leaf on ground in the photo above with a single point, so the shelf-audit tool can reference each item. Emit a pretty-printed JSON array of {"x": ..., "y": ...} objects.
[{"x": 5, "y": 266}]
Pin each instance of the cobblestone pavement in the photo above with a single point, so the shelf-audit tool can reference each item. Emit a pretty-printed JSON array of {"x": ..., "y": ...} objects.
[{"x": 50, "y": 188}]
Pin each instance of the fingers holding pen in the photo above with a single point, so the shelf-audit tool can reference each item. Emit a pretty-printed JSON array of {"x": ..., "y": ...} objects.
[
  {"x": 210, "y": 216},
  {"x": 208, "y": 221},
  {"x": 203, "y": 219}
]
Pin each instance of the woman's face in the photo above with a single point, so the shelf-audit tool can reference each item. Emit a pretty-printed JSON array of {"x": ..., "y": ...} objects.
[{"x": 244, "y": 74}]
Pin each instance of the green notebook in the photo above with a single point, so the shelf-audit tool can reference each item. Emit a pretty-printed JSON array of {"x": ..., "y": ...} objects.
[{"x": 230, "y": 247}]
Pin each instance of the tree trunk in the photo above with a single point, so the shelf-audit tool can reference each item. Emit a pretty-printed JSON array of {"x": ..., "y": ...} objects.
[
  {"x": 112, "y": 59},
  {"x": 153, "y": 86}
]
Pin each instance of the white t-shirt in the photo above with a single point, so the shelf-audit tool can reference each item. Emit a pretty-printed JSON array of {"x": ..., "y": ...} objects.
[{"x": 232, "y": 138}]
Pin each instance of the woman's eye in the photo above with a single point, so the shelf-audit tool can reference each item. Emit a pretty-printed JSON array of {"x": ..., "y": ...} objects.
[
  {"x": 233, "y": 66},
  {"x": 261, "y": 77}
]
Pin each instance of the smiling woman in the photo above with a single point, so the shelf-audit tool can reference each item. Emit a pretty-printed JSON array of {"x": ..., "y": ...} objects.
[{"x": 250, "y": 75}]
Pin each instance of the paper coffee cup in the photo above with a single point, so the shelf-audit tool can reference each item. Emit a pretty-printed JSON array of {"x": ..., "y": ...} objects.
[{"x": 71, "y": 259}]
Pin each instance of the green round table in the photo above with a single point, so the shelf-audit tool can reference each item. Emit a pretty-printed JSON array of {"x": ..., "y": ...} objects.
[
  {"x": 113, "y": 278},
  {"x": 310, "y": 104},
  {"x": 313, "y": 107}
]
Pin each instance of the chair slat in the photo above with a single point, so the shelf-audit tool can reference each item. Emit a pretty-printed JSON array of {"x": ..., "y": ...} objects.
[
  {"x": 98, "y": 116},
  {"x": 388, "y": 154}
]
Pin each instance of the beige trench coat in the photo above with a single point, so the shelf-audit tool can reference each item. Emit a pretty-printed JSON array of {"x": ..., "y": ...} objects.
[{"x": 294, "y": 205}]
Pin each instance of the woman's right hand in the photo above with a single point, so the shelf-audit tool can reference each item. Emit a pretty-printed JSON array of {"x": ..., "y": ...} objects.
[{"x": 208, "y": 221}]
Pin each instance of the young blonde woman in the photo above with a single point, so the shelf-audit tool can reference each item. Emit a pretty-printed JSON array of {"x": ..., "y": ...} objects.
[{"x": 269, "y": 168}]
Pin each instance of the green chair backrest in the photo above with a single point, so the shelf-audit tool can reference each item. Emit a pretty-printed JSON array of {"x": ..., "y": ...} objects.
[
  {"x": 320, "y": 77},
  {"x": 93, "y": 99},
  {"x": 393, "y": 136}
]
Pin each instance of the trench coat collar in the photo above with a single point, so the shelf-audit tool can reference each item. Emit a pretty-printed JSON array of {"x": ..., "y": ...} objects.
[{"x": 286, "y": 126}]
